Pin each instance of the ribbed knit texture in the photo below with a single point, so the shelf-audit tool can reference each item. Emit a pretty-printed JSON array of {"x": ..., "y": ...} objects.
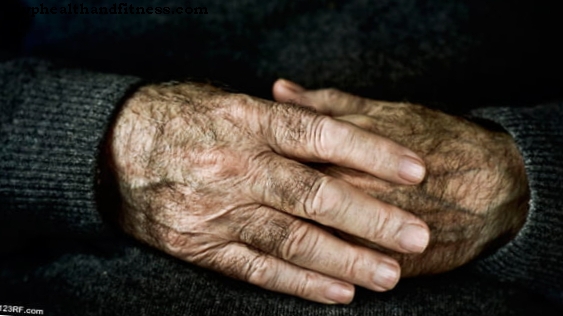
[
  {"x": 535, "y": 256},
  {"x": 120, "y": 279},
  {"x": 52, "y": 123}
]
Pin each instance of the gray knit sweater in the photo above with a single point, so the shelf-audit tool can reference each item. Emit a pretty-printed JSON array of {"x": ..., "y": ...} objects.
[{"x": 62, "y": 78}]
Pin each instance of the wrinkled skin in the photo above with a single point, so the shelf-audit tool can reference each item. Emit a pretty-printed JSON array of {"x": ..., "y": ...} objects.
[
  {"x": 217, "y": 179},
  {"x": 475, "y": 195}
]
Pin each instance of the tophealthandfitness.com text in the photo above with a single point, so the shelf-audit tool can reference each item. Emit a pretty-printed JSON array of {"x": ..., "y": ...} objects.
[{"x": 121, "y": 8}]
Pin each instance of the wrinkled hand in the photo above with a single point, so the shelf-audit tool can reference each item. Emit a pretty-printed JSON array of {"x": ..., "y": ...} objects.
[
  {"x": 213, "y": 178},
  {"x": 475, "y": 194}
]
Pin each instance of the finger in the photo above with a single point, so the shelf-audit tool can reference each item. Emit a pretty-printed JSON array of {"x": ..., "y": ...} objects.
[
  {"x": 244, "y": 263},
  {"x": 296, "y": 189},
  {"x": 298, "y": 133},
  {"x": 362, "y": 121},
  {"x": 313, "y": 248},
  {"x": 286, "y": 91},
  {"x": 360, "y": 180},
  {"x": 386, "y": 124},
  {"x": 326, "y": 101}
]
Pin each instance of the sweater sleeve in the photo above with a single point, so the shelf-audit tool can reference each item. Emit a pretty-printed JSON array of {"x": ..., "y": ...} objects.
[
  {"x": 52, "y": 121},
  {"x": 535, "y": 257}
]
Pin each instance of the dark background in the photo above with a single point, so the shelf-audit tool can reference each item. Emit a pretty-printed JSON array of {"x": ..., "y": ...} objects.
[{"x": 453, "y": 54}]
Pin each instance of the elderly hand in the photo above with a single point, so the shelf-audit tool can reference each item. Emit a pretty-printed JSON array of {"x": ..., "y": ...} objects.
[
  {"x": 475, "y": 195},
  {"x": 214, "y": 178}
]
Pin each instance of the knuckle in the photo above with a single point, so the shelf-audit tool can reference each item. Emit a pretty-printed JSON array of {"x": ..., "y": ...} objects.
[
  {"x": 300, "y": 243},
  {"x": 305, "y": 285},
  {"x": 261, "y": 271},
  {"x": 266, "y": 234},
  {"x": 290, "y": 124},
  {"x": 351, "y": 267},
  {"x": 331, "y": 94},
  {"x": 219, "y": 259},
  {"x": 379, "y": 225},
  {"x": 292, "y": 135},
  {"x": 296, "y": 195},
  {"x": 316, "y": 200},
  {"x": 323, "y": 132}
]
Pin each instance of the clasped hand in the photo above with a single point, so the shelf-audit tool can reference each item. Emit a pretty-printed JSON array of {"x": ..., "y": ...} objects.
[
  {"x": 308, "y": 201},
  {"x": 475, "y": 195}
]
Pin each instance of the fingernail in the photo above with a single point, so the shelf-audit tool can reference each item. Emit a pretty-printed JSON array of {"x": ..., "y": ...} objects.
[
  {"x": 411, "y": 169},
  {"x": 414, "y": 238},
  {"x": 386, "y": 275},
  {"x": 339, "y": 293},
  {"x": 292, "y": 86}
]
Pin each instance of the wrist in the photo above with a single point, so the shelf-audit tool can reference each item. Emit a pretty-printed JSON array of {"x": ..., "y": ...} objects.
[
  {"x": 519, "y": 208},
  {"x": 513, "y": 205},
  {"x": 108, "y": 197}
]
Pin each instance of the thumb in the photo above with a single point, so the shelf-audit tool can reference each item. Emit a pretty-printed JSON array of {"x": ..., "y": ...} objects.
[{"x": 286, "y": 91}]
